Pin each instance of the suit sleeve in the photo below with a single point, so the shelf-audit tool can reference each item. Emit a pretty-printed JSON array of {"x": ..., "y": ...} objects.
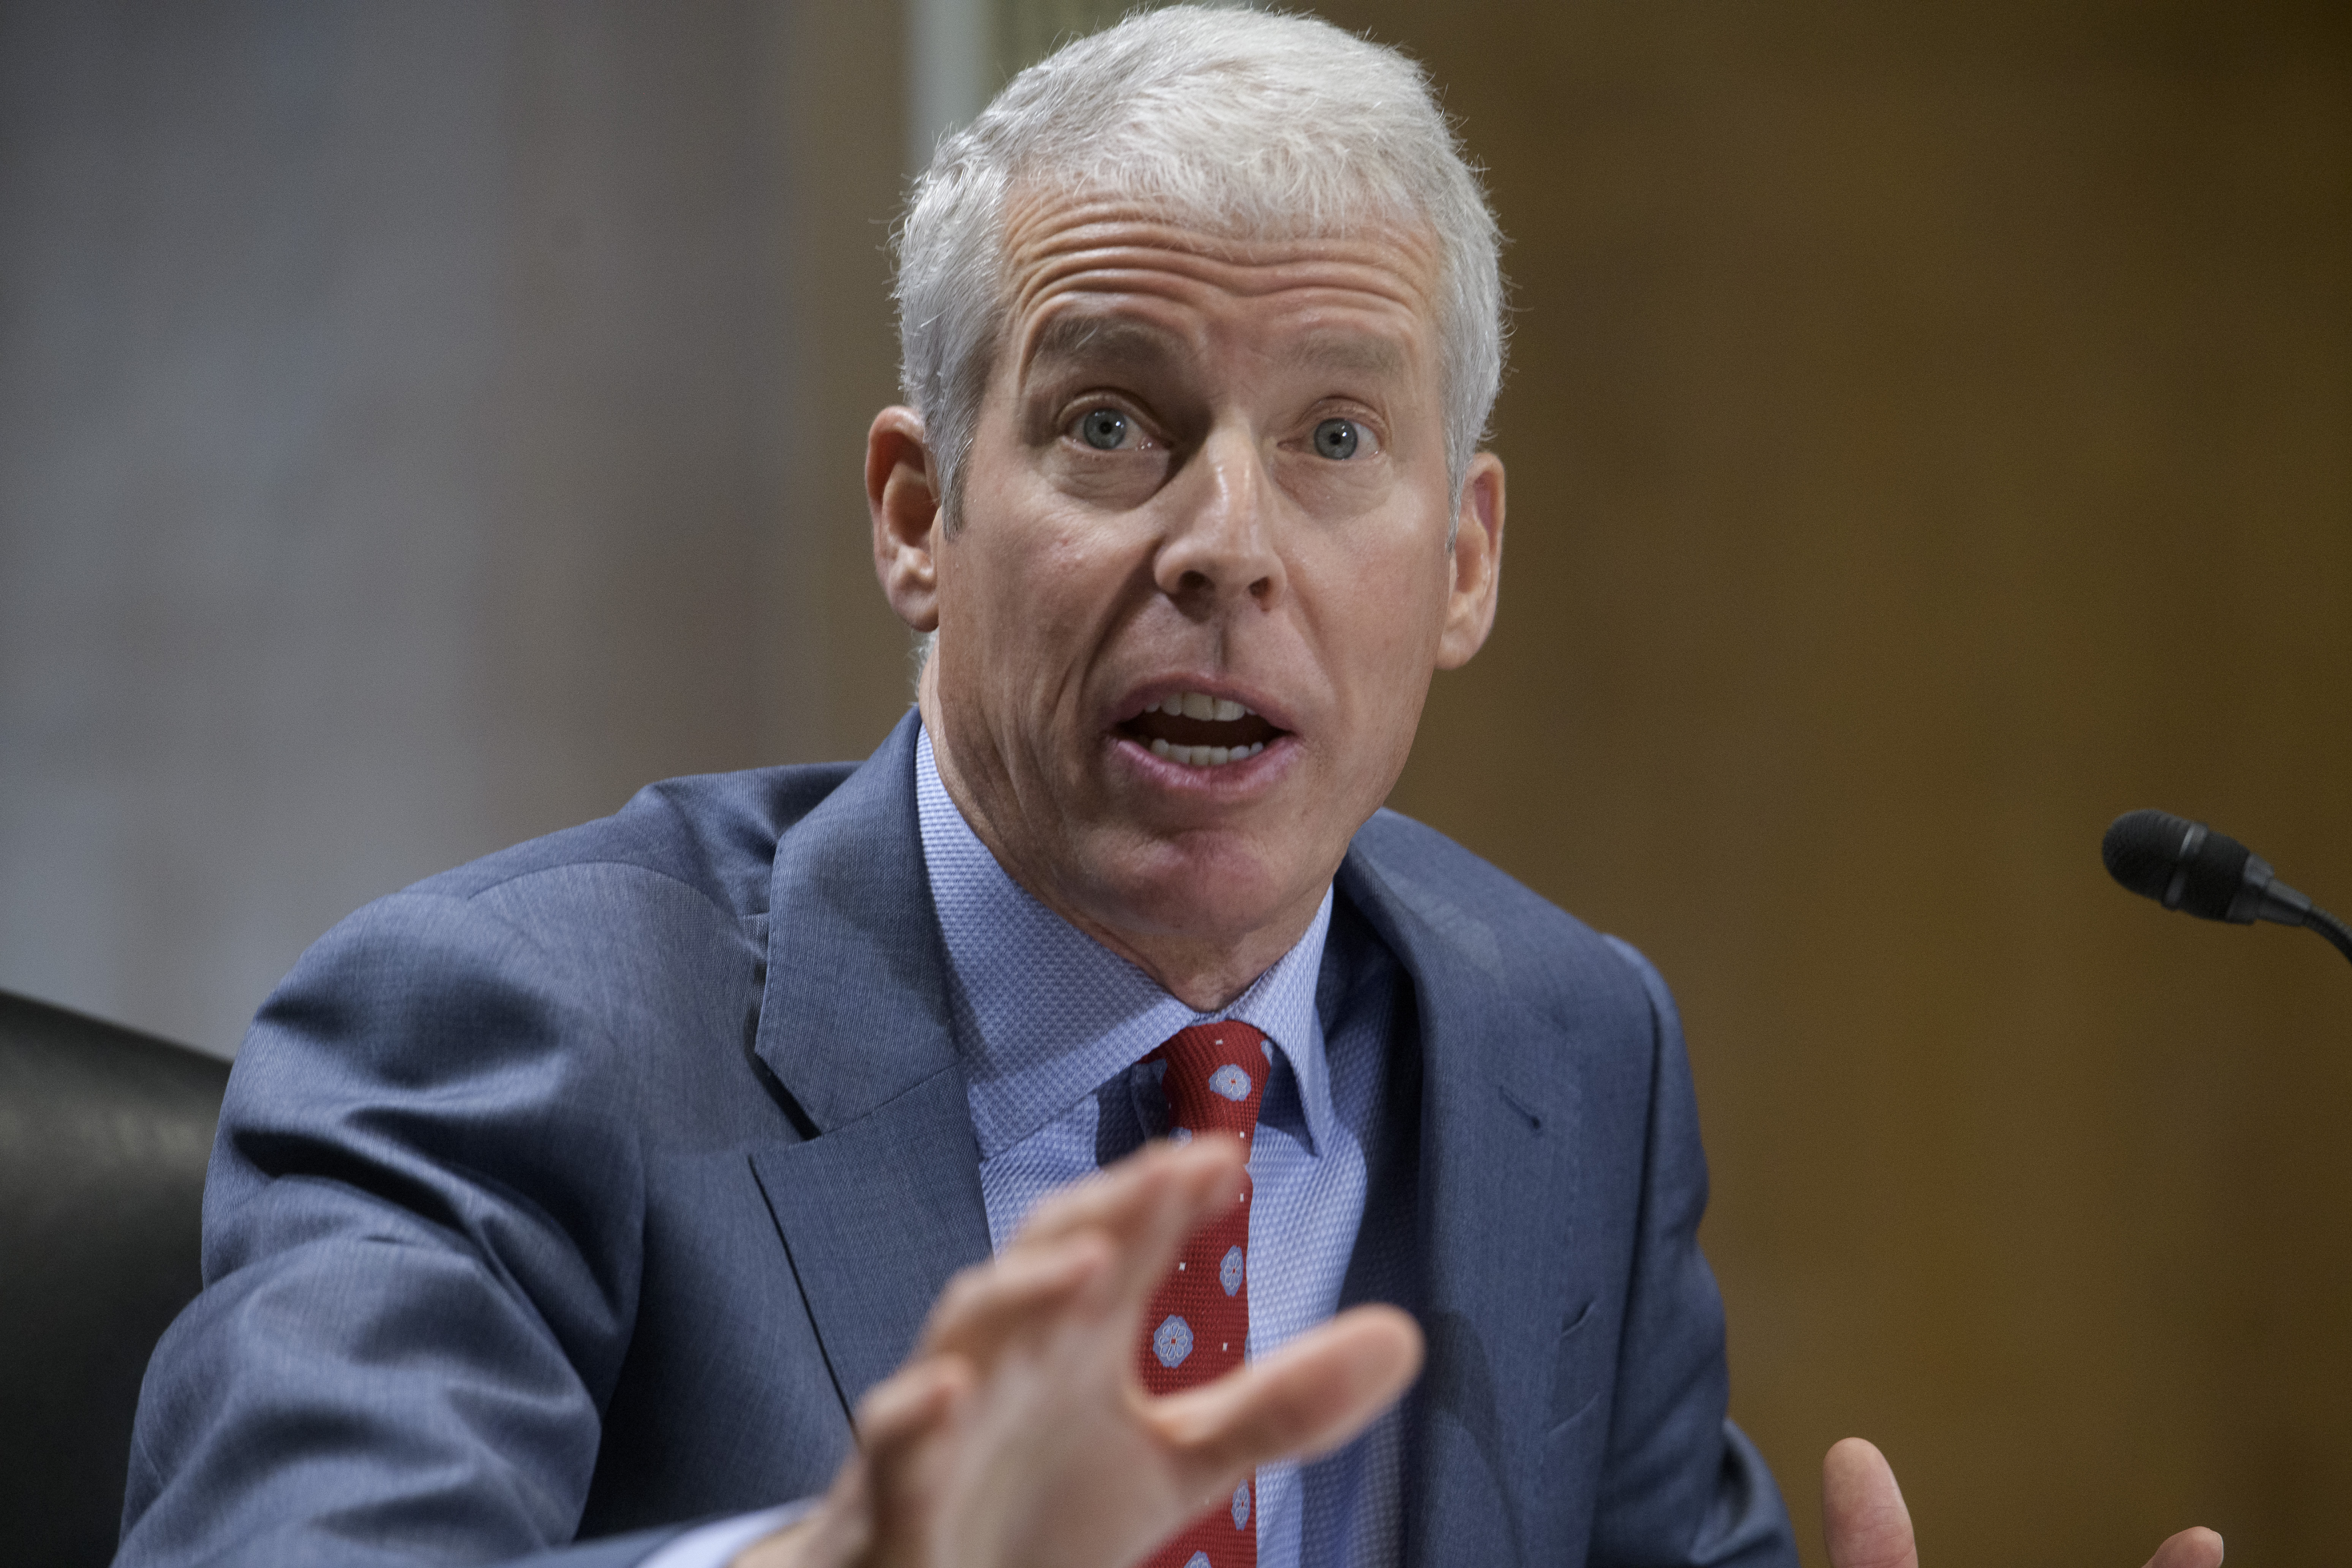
[
  {"x": 421, "y": 1254},
  {"x": 1681, "y": 1485}
]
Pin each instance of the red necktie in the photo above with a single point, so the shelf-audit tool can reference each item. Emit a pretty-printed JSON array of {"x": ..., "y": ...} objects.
[{"x": 1198, "y": 1326}]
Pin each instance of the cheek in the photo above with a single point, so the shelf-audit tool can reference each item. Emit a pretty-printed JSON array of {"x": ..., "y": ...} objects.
[
  {"x": 1381, "y": 642},
  {"x": 1026, "y": 606},
  {"x": 1392, "y": 611}
]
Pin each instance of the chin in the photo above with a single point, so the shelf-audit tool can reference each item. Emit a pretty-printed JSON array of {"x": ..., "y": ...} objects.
[{"x": 1201, "y": 886}]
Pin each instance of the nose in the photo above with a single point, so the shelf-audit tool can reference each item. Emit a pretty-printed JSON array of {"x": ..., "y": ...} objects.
[{"x": 1221, "y": 549}]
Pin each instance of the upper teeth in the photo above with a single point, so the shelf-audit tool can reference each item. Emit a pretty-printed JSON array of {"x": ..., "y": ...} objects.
[{"x": 1200, "y": 705}]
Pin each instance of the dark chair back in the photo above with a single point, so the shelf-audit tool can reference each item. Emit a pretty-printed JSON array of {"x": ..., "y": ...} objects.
[{"x": 103, "y": 1138}]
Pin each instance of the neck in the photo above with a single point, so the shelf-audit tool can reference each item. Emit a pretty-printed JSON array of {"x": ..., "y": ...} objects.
[{"x": 1204, "y": 976}]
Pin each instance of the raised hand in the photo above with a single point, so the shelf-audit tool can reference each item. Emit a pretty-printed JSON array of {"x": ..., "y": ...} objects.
[
  {"x": 1018, "y": 1433},
  {"x": 1866, "y": 1525}
]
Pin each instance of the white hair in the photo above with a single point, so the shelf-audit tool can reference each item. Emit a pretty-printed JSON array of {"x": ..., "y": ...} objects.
[{"x": 1240, "y": 123}]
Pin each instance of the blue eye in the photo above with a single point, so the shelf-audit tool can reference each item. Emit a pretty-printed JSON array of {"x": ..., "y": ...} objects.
[
  {"x": 1105, "y": 429},
  {"x": 1336, "y": 438}
]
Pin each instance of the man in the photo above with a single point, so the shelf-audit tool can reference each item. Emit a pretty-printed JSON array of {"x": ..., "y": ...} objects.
[{"x": 587, "y": 1191}]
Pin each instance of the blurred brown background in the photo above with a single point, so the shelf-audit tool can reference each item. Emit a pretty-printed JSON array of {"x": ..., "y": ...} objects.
[{"x": 1930, "y": 435}]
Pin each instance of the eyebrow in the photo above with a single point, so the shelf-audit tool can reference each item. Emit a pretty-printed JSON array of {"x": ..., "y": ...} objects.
[
  {"x": 1355, "y": 352},
  {"x": 1084, "y": 338}
]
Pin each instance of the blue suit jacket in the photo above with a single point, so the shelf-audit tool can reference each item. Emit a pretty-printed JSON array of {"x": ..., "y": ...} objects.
[{"x": 582, "y": 1191}]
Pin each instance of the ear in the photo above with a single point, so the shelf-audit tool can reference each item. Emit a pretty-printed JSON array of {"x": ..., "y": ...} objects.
[
  {"x": 901, "y": 496},
  {"x": 1477, "y": 562}
]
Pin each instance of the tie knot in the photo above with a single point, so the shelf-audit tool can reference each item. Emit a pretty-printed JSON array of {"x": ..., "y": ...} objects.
[{"x": 1216, "y": 1075}]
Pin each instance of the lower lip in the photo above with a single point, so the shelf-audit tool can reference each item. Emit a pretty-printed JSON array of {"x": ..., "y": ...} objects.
[{"x": 1227, "y": 779}]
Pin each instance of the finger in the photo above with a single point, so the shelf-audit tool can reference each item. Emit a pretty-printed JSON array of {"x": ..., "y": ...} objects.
[
  {"x": 1862, "y": 1517},
  {"x": 1147, "y": 1205},
  {"x": 886, "y": 1497},
  {"x": 983, "y": 1305},
  {"x": 1119, "y": 1196},
  {"x": 1203, "y": 1181},
  {"x": 840, "y": 1532},
  {"x": 1306, "y": 1399},
  {"x": 2195, "y": 1547},
  {"x": 912, "y": 1402}
]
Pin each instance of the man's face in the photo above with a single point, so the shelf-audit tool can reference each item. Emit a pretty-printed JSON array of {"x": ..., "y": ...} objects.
[{"x": 1200, "y": 576}]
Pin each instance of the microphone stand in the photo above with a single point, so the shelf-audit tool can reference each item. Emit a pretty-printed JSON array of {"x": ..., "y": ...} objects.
[{"x": 2329, "y": 926}]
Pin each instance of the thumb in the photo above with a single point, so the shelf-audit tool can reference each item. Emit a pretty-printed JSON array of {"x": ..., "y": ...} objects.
[
  {"x": 1301, "y": 1402},
  {"x": 2197, "y": 1548},
  {"x": 1862, "y": 1517}
]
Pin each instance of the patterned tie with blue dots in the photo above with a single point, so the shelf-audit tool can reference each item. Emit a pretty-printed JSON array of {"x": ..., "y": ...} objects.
[{"x": 1198, "y": 1326}]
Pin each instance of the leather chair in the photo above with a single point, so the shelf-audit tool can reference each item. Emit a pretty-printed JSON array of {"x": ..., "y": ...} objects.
[{"x": 103, "y": 1137}]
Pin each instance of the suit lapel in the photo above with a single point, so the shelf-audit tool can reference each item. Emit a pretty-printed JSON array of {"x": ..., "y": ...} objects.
[
  {"x": 882, "y": 1204},
  {"x": 1498, "y": 1130}
]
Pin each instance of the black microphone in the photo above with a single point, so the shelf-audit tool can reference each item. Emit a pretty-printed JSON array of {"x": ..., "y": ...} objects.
[{"x": 2186, "y": 865}]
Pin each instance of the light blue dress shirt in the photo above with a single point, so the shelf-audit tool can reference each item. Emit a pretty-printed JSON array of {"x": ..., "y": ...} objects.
[{"x": 1052, "y": 1027}]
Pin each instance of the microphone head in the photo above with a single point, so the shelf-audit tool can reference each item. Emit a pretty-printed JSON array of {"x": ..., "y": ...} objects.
[
  {"x": 2180, "y": 864},
  {"x": 2142, "y": 849}
]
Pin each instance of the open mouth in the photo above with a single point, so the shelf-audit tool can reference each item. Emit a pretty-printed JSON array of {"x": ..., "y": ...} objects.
[{"x": 1199, "y": 730}]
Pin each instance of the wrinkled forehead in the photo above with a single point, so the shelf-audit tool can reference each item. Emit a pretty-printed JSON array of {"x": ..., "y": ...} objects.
[
  {"x": 1069, "y": 260},
  {"x": 1238, "y": 209}
]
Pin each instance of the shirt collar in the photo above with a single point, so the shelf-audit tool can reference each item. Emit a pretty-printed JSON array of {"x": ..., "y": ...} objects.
[{"x": 1045, "y": 1012}]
